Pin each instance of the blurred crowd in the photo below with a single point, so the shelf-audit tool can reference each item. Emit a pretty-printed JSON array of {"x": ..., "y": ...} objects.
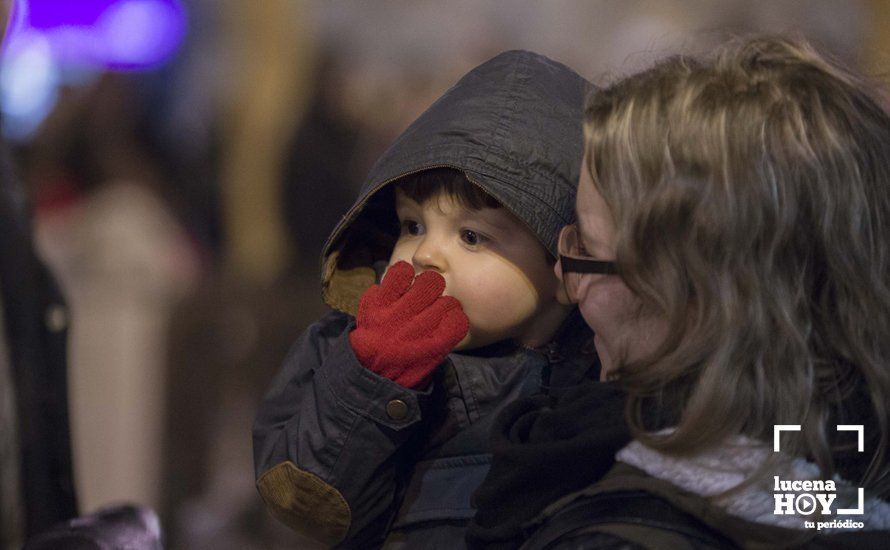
[{"x": 183, "y": 209}]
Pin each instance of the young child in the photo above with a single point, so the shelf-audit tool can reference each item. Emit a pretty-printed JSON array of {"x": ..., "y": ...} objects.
[{"x": 376, "y": 429}]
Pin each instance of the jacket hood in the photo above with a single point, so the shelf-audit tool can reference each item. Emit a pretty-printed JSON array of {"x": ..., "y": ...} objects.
[{"x": 512, "y": 125}]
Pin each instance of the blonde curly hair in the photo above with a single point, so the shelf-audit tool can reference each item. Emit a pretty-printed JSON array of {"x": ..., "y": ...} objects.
[{"x": 751, "y": 198}]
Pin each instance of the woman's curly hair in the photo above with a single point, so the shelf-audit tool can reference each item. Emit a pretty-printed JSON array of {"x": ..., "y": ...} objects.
[{"x": 751, "y": 198}]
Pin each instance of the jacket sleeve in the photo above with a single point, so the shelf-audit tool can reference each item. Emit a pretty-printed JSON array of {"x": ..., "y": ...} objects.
[{"x": 329, "y": 437}]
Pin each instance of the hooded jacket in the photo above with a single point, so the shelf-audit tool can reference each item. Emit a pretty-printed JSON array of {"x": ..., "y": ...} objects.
[
  {"x": 352, "y": 458},
  {"x": 513, "y": 126}
]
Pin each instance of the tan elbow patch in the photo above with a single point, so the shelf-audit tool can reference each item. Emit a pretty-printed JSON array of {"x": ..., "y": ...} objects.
[{"x": 305, "y": 503}]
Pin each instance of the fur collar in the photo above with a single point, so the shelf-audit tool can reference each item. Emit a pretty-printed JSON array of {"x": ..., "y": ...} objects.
[{"x": 714, "y": 472}]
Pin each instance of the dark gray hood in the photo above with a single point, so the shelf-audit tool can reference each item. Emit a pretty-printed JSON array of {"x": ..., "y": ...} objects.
[{"x": 512, "y": 125}]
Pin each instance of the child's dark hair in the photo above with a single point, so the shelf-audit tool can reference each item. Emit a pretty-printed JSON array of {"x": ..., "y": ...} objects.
[
  {"x": 425, "y": 185},
  {"x": 429, "y": 183}
]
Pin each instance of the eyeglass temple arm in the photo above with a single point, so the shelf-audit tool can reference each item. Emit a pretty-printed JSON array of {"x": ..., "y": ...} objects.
[{"x": 577, "y": 265}]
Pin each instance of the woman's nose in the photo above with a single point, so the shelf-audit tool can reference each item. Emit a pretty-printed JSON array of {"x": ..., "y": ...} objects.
[{"x": 429, "y": 255}]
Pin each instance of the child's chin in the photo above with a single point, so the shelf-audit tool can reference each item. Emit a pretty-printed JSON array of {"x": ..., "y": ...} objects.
[
  {"x": 466, "y": 343},
  {"x": 471, "y": 341}
]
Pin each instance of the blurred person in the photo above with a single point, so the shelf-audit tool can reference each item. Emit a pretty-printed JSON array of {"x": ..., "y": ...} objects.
[
  {"x": 744, "y": 202},
  {"x": 321, "y": 163},
  {"x": 374, "y": 431},
  {"x": 38, "y": 504},
  {"x": 256, "y": 132},
  {"x": 123, "y": 261}
]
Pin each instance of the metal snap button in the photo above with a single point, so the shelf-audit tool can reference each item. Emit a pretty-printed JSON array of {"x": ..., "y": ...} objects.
[
  {"x": 397, "y": 409},
  {"x": 56, "y": 319}
]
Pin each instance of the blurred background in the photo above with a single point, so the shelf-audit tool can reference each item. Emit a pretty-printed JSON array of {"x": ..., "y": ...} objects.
[{"x": 186, "y": 160}]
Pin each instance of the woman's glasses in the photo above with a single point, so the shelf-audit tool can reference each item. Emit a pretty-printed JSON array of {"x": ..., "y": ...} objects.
[{"x": 575, "y": 263}]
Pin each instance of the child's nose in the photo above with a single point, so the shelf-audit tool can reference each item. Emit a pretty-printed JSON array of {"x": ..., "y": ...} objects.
[{"x": 429, "y": 255}]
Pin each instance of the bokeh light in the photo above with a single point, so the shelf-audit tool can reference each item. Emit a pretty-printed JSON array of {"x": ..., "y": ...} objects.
[{"x": 51, "y": 43}]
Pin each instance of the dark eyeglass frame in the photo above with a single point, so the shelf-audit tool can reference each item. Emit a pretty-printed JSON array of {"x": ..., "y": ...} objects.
[
  {"x": 570, "y": 264},
  {"x": 580, "y": 264}
]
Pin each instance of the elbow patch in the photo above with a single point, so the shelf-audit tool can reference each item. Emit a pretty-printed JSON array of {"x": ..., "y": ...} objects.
[{"x": 305, "y": 503}]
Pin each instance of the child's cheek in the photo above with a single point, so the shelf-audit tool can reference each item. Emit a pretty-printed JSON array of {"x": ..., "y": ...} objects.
[
  {"x": 402, "y": 252},
  {"x": 466, "y": 342},
  {"x": 496, "y": 311}
]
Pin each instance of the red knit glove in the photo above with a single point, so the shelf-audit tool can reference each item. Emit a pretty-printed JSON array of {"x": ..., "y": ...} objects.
[{"x": 404, "y": 330}]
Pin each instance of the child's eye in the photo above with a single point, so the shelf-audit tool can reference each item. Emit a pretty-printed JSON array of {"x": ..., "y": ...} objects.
[
  {"x": 411, "y": 227},
  {"x": 471, "y": 237}
]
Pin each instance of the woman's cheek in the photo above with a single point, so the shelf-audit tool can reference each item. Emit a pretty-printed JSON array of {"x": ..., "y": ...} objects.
[{"x": 588, "y": 312}]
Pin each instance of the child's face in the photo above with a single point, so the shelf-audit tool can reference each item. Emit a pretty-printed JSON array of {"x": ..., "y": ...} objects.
[{"x": 491, "y": 263}]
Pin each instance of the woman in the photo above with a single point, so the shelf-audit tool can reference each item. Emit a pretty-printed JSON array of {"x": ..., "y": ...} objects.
[{"x": 732, "y": 254}]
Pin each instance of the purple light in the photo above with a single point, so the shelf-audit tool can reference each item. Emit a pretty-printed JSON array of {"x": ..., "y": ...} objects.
[
  {"x": 113, "y": 34},
  {"x": 51, "y": 14}
]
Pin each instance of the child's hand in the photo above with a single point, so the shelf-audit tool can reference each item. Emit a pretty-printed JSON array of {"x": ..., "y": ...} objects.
[{"x": 404, "y": 330}]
